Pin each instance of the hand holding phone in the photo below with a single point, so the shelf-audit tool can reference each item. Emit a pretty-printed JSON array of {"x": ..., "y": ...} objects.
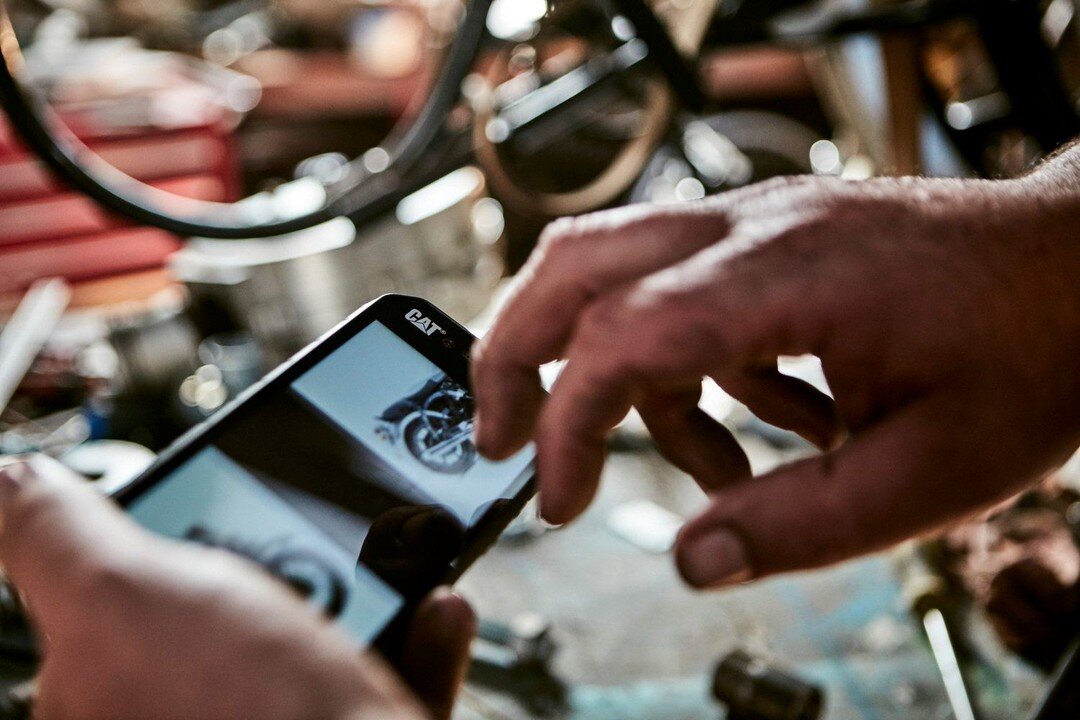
[
  {"x": 138, "y": 626},
  {"x": 350, "y": 473}
]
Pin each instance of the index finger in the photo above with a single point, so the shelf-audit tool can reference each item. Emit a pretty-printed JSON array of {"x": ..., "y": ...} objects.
[{"x": 576, "y": 260}]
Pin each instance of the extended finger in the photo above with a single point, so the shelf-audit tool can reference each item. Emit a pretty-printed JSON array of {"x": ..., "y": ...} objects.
[
  {"x": 645, "y": 340},
  {"x": 581, "y": 259},
  {"x": 691, "y": 440},
  {"x": 629, "y": 346},
  {"x": 787, "y": 402},
  {"x": 571, "y": 438},
  {"x": 576, "y": 260}
]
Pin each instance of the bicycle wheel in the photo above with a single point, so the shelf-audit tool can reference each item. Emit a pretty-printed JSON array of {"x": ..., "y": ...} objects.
[{"x": 51, "y": 94}]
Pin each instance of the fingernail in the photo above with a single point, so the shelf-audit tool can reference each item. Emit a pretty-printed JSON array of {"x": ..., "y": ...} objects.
[
  {"x": 549, "y": 526},
  {"x": 537, "y": 512},
  {"x": 715, "y": 559},
  {"x": 546, "y": 524},
  {"x": 543, "y": 513},
  {"x": 454, "y": 608},
  {"x": 445, "y": 592}
]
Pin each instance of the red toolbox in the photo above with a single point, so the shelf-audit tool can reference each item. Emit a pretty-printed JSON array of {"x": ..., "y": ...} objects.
[{"x": 50, "y": 230}]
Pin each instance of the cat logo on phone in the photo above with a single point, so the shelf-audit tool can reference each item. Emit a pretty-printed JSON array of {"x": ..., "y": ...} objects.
[{"x": 423, "y": 323}]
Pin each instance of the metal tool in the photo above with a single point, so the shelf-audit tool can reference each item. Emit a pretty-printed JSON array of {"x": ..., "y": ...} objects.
[
  {"x": 441, "y": 243},
  {"x": 754, "y": 690},
  {"x": 27, "y": 332},
  {"x": 928, "y": 597},
  {"x": 525, "y": 640},
  {"x": 515, "y": 658},
  {"x": 937, "y": 631}
]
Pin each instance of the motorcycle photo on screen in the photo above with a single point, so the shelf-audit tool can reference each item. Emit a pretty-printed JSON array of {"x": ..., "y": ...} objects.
[
  {"x": 314, "y": 577},
  {"x": 434, "y": 424}
]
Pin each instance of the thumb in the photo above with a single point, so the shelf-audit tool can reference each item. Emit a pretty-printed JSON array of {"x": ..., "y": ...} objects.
[
  {"x": 54, "y": 527},
  {"x": 903, "y": 477},
  {"x": 435, "y": 657}
]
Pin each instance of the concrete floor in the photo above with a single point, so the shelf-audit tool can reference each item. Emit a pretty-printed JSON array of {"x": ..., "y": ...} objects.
[{"x": 636, "y": 643}]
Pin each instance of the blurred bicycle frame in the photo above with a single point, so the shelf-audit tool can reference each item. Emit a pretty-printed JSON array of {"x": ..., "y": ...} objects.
[{"x": 428, "y": 148}]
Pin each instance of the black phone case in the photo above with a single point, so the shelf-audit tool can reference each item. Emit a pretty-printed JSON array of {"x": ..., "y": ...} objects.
[{"x": 447, "y": 346}]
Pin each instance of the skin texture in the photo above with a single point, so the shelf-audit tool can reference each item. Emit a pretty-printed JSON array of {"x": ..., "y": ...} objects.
[
  {"x": 946, "y": 314},
  {"x": 136, "y": 626}
]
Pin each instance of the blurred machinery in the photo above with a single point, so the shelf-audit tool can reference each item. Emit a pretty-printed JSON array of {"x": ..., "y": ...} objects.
[
  {"x": 518, "y": 88},
  {"x": 443, "y": 242},
  {"x": 754, "y": 690}
]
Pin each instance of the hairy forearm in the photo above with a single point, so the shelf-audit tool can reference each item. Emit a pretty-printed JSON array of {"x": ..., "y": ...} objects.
[
  {"x": 1058, "y": 177},
  {"x": 1051, "y": 193}
]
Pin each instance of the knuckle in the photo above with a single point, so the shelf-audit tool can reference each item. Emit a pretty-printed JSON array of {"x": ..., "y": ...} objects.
[
  {"x": 492, "y": 358},
  {"x": 788, "y": 182},
  {"x": 674, "y": 321},
  {"x": 831, "y": 204},
  {"x": 785, "y": 196},
  {"x": 483, "y": 356},
  {"x": 614, "y": 343},
  {"x": 550, "y": 426},
  {"x": 219, "y": 570},
  {"x": 557, "y": 259},
  {"x": 602, "y": 322},
  {"x": 565, "y": 235},
  {"x": 790, "y": 188},
  {"x": 561, "y": 237},
  {"x": 646, "y": 330},
  {"x": 223, "y": 567},
  {"x": 660, "y": 297},
  {"x": 689, "y": 227}
]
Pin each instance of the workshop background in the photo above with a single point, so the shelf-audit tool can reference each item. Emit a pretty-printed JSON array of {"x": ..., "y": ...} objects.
[{"x": 119, "y": 336}]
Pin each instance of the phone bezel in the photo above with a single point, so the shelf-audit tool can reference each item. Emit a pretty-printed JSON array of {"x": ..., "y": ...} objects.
[{"x": 449, "y": 350}]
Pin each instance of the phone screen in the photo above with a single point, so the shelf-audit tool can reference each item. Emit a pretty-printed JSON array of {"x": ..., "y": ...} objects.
[{"x": 357, "y": 483}]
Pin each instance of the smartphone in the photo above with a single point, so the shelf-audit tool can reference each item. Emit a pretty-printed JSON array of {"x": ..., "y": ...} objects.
[{"x": 350, "y": 472}]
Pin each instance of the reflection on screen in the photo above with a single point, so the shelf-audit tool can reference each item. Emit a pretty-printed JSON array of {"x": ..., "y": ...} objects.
[{"x": 358, "y": 486}]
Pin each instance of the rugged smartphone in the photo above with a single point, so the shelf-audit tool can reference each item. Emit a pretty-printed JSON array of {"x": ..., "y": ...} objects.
[{"x": 350, "y": 472}]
